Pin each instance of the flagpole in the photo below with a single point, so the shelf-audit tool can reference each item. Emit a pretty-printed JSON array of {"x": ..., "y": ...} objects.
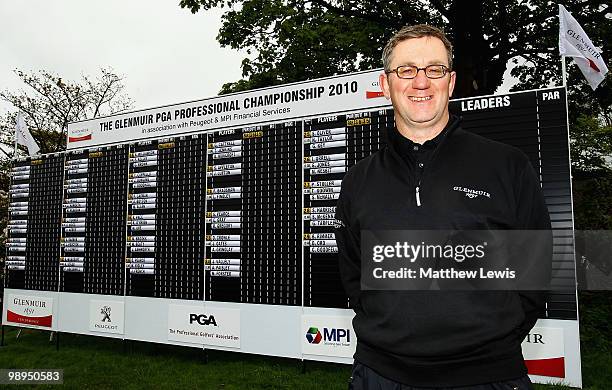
[
  {"x": 563, "y": 71},
  {"x": 16, "y": 121}
]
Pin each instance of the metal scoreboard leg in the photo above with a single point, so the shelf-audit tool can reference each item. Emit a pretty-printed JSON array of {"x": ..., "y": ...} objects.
[{"x": 2, "y": 340}]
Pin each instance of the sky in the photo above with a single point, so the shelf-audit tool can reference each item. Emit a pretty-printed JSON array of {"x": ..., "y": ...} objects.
[{"x": 166, "y": 53}]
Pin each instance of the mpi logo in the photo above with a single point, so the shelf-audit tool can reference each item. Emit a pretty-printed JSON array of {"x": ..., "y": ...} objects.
[
  {"x": 202, "y": 319},
  {"x": 329, "y": 335},
  {"x": 313, "y": 335}
]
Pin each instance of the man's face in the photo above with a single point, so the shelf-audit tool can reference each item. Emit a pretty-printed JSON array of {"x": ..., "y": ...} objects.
[{"x": 419, "y": 103}]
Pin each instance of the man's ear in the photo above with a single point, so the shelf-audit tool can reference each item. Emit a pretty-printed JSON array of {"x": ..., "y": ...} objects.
[
  {"x": 383, "y": 81},
  {"x": 451, "y": 84}
]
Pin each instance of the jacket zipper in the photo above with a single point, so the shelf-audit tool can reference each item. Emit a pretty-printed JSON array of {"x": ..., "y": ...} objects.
[{"x": 417, "y": 189}]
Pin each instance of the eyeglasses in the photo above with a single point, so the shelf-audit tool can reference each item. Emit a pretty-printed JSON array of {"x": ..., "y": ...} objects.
[{"x": 410, "y": 72}]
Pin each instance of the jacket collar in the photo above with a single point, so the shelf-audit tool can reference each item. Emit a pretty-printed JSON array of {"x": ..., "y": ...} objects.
[{"x": 399, "y": 144}]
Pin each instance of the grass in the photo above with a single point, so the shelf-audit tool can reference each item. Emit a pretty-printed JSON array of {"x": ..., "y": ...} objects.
[
  {"x": 101, "y": 363},
  {"x": 595, "y": 309},
  {"x": 96, "y": 362}
]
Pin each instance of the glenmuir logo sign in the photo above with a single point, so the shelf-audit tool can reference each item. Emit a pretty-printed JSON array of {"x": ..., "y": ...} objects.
[
  {"x": 30, "y": 310},
  {"x": 82, "y": 134},
  {"x": 374, "y": 94},
  {"x": 338, "y": 224},
  {"x": 470, "y": 193},
  {"x": 544, "y": 352}
]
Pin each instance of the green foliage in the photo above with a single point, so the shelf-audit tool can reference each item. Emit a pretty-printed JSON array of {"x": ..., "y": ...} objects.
[
  {"x": 593, "y": 202},
  {"x": 595, "y": 341},
  {"x": 295, "y": 40},
  {"x": 296, "y": 43},
  {"x": 591, "y": 144}
]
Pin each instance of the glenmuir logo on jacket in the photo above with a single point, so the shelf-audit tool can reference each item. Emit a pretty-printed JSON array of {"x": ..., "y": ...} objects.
[{"x": 470, "y": 193}]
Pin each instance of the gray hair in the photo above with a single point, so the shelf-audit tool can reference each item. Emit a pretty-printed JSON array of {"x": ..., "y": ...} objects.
[{"x": 416, "y": 31}]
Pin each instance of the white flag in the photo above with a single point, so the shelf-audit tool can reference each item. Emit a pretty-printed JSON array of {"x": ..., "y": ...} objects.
[
  {"x": 23, "y": 136},
  {"x": 573, "y": 42}
]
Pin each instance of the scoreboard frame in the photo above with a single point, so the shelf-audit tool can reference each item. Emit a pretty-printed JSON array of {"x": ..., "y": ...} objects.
[{"x": 176, "y": 321}]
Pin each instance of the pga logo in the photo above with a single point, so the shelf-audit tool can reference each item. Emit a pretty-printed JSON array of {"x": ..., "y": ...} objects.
[{"x": 202, "y": 319}]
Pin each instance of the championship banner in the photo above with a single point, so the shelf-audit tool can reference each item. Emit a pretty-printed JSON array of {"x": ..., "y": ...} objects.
[
  {"x": 343, "y": 93},
  {"x": 30, "y": 310}
]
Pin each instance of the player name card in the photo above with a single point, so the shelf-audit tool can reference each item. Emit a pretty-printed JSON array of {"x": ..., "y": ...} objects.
[
  {"x": 319, "y": 133},
  {"x": 327, "y": 171},
  {"x": 145, "y": 260},
  {"x": 218, "y": 156},
  {"x": 322, "y": 190},
  {"x": 326, "y": 145},
  {"x": 325, "y": 164},
  {"x": 229, "y": 213}
]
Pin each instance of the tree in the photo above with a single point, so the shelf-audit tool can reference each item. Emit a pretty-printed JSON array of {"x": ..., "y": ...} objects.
[
  {"x": 51, "y": 102},
  {"x": 591, "y": 144},
  {"x": 295, "y": 40}
]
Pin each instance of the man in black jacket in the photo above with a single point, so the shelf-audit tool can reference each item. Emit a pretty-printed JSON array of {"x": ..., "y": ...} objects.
[{"x": 433, "y": 175}]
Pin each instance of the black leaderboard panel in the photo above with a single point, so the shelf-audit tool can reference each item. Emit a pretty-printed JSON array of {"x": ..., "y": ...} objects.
[
  {"x": 165, "y": 226},
  {"x": 105, "y": 222},
  {"x": 252, "y": 215},
  {"x": 536, "y": 123},
  {"x": 141, "y": 261},
  {"x": 331, "y": 146},
  {"x": 93, "y": 222},
  {"x": 35, "y": 213},
  {"x": 179, "y": 227}
]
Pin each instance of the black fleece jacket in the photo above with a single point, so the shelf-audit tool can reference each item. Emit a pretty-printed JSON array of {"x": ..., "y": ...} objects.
[{"x": 440, "y": 338}]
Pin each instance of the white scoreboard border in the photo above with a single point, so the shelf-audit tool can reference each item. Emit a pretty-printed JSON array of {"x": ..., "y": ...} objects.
[{"x": 272, "y": 330}]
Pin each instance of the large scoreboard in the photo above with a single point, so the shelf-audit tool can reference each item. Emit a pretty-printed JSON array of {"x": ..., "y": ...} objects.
[{"x": 226, "y": 206}]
